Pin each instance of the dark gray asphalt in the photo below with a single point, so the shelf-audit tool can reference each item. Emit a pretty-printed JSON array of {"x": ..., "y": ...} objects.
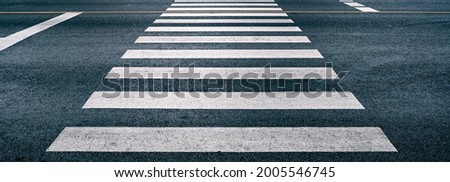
[
  {"x": 398, "y": 63},
  {"x": 150, "y": 6},
  {"x": 409, "y": 6}
]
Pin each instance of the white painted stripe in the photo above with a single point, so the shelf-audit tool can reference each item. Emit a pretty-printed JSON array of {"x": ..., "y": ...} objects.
[
  {"x": 222, "y": 139},
  {"x": 222, "y": 54},
  {"x": 235, "y": 1},
  {"x": 367, "y": 9},
  {"x": 223, "y": 72},
  {"x": 354, "y": 4},
  {"x": 224, "y": 9},
  {"x": 221, "y": 14},
  {"x": 222, "y": 100},
  {"x": 23, "y": 34},
  {"x": 223, "y": 21},
  {"x": 225, "y": 29},
  {"x": 223, "y": 39},
  {"x": 224, "y": 4}
]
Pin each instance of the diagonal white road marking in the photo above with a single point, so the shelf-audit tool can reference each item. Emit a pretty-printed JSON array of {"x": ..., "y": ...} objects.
[{"x": 23, "y": 34}]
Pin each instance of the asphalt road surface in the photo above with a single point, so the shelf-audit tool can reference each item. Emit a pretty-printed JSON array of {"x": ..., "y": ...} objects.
[{"x": 65, "y": 94}]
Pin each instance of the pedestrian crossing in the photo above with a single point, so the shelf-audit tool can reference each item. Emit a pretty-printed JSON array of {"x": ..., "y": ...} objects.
[{"x": 171, "y": 28}]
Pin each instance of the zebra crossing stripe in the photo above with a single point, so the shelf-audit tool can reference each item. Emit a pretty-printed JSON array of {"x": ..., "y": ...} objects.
[
  {"x": 222, "y": 14},
  {"x": 223, "y": 54},
  {"x": 224, "y": 29},
  {"x": 234, "y": 1},
  {"x": 224, "y": 9},
  {"x": 223, "y": 21},
  {"x": 222, "y": 100},
  {"x": 224, "y": 4},
  {"x": 222, "y": 72},
  {"x": 223, "y": 39},
  {"x": 222, "y": 139}
]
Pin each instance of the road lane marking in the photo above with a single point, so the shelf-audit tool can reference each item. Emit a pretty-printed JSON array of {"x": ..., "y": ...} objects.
[
  {"x": 23, "y": 34},
  {"x": 223, "y": 21},
  {"x": 225, "y": 29},
  {"x": 222, "y": 100},
  {"x": 223, "y": 72},
  {"x": 221, "y": 14},
  {"x": 224, "y": 9},
  {"x": 222, "y": 139},
  {"x": 223, "y": 39},
  {"x": 234, "y": 1},
  {"x": 367, "y": 9},
  {"x": 362, "y": 7},
  {"x": 224, "y": 4},
  {"x": 223, "y": 54},
  {"x": 354, "y": 4}
]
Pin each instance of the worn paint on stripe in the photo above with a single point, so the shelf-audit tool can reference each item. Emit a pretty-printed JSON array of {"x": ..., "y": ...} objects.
[
  {"x": 223, "y": 72},
  {"x": 224, "y": 9},
  {"x": 225, "y": 29},
  {"x": 23, "y": 34},
  {"x": 224, "y": 4},
  {"x": 222, "y": 54},
  {"x": 222, "y": 14},
  {"x": 223, "y": 21},
  {"x": 222, "y": 100},
  {"x": 222, "y": 139},
  {"x": 223, "y": 39}
]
